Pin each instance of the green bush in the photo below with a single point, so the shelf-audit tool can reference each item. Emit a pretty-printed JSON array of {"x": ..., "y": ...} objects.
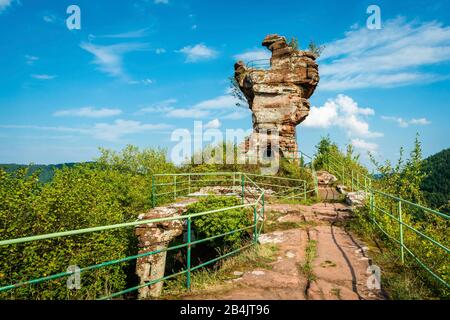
[
  {"x": 114, "y": 189},
  {"x": 76, "y": 198},
  {"x": 221, "y": 222}
]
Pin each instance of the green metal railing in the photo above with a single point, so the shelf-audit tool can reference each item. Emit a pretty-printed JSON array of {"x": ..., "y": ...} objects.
[
  {"x": 260, "y": 64},
  {"x": 395, "y": 209},
  {"x": 167, "y": 188}
]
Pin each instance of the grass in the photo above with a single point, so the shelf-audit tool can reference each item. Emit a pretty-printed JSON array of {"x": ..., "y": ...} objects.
[
  {"x": 307, "y": 202},
  {"x": 261, "y": 256},
  {"x": 272, "y": 223},
  {"x": 306, "y": 268},
  {"x": 328, "y": 264},
  {"x": 399, "y": 282},
  {"x": 336, "y": 292}
]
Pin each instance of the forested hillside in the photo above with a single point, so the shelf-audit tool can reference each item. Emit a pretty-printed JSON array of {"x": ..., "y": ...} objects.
[
  {"x": 436, "y": 185},
  {"x": 46, "y": 172}
]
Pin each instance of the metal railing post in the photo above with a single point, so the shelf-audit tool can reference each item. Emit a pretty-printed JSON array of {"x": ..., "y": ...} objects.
[
  {"x": 372, "y": 204},
  {"x": 188, "y": 258},
  {"x": 243, "y": 187},
  {"x": 255, "y": 225},
  {"x": 402, "y": 251},
  {"x": 153, "y": 192},
  {"x": 304, "y": 190},
  {"x": 357, "y": 181},
  {"x": 263, "y": 212},
  {"x": 189, "y": 184},
  {"x": 365, "y": 184},
  {"x": 174, "y": 187},
  {"x": 352, "y": 180}
]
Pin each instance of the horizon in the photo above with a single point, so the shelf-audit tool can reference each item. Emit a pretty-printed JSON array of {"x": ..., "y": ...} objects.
[{"x": 136, "y": 71}]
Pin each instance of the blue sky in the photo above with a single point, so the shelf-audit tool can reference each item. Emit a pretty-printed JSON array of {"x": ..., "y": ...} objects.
[{"x": 139, "y": 69}]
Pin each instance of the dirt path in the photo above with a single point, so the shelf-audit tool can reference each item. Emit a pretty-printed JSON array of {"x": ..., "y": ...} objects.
[{"x": 317, "y": 260}]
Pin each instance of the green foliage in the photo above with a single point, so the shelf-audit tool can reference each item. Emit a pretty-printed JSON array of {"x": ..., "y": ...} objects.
[
  {"x": 221, "y": 222},
  {"x": 405, "y": 178},
  {"x": 404, "y": 181},
  {"x": 76, "y": 198},
  {"x": 113, "y": 190},
  {"x": 220, "y": 157},
  {"x": 131, "y": 173},
  {"x": 315, "y": 49},
  {"x": 294, "y": 44},
  {"x": 436, "y": 185},
  {"x": 45, "y": 172},
  {"x": 329, "y": 157}
]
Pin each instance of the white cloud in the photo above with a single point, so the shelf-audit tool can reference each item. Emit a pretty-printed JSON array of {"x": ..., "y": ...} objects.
[
  {"x": 161, "y": 107},
  {"x": 43, "y": 76},
  {"x": 88, "y": 112},
  {"x": 127, "y": 35},
  {"x": 364, "y": 145},
  {"x": 161, "y": 1},
  {"x": 213, "y": 124},
  {"x": 119, "y": 128},
  {"x": 145, "y": 82},
  {"x": 160, "y": 51},
  {"x": 109, "y": 59},
  {"x": 5, "y": 4},
  {"x": 421, "y": 121},
  {"x": 30, "y": 60},
  {"x": 392, "y": 56},
  {"x": 102, "y": 131},
  {"x": 218, "y": 103},
  {"x": 198, "y": 52},
  {"x": 223, "y": 106},
  {"x": 403, "y": 123},
  {"x": 49, "y": 18},
  {"x": 342, "y": 112},
  {"x": 256, "y": 54},
  {"x": 238, "y": 115},
  {"x": 187, "y": 113}
]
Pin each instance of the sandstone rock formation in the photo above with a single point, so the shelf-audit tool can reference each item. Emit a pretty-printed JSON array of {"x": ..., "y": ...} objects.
[
  {"x": 278, "y": 97},
  {"x": 156, "y": 237}
]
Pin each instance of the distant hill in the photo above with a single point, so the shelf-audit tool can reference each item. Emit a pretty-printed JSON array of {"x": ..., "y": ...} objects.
[
  {"x": 436, "y": 186},
  {"x": 46, "y": 171}
]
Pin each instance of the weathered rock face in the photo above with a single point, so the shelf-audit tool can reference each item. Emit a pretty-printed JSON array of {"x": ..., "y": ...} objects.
[
  {"x": 278, "y": 97},
  {"x": 153, "y": 237},
  {"x": 325, "y": 178},
  {"x": 356, "y": 199}
]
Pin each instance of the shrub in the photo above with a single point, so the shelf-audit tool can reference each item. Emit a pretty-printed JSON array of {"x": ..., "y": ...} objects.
[
  {"x": 112, "y": 190},
  {"x": 221, "y": 222},
  {"x": 76, "y": 198}
]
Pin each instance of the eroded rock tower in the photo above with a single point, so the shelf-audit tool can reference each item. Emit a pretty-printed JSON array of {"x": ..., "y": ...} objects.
[{"x": 278, "y": 95}]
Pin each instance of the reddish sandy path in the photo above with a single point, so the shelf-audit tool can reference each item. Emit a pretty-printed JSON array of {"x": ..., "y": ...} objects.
[{"x": 339, "y": 268}]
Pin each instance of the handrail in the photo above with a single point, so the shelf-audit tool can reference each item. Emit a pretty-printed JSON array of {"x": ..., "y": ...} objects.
[
  {"x": 245, "y": 180},
  {"x": 347, "y": 175},
  {"x": 256, "y": 226}
]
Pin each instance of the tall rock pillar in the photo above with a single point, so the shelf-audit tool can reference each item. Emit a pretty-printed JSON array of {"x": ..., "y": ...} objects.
[{"x": 278, "y": 95}]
